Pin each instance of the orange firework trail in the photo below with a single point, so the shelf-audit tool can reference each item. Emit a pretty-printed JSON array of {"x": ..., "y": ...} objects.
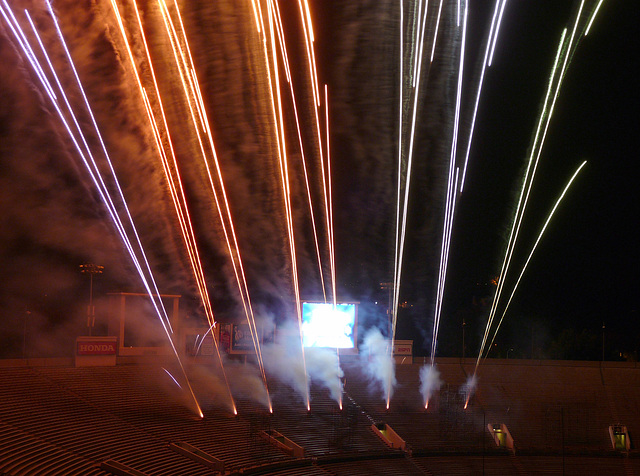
[
  {"x": 330, "y": 214},
  {"x": 275, "y": 31},
  {"x": 170, "y": 167},
  {"x": 283, "y": 49},
  {"x": 307, "y": 26},
  {"x": 90, "y": 162},
  {"x": 283, "y": 163},
  {"x": 271, "y": 65},
  {"x": 329, "y": 197},
  {"x": 275, "y": 54}
]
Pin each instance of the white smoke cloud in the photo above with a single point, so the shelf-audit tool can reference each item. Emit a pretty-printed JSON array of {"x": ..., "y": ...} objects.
[
  {"x": 430, "y": 382},
  {"x": 470, "y": 388},
  {"x": 284, "y": 360},
  {"x": 377, "y": 362},
  {"x": 323, "y": 365}
]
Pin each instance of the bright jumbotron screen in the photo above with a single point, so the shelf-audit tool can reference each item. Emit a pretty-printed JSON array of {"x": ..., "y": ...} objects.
[{"x": 326, "y": 325}]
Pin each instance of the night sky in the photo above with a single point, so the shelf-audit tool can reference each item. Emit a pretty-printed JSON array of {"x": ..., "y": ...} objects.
[{"x": 584, "y": 272}]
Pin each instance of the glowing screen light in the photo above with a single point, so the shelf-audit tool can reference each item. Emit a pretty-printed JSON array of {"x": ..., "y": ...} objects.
[{"x": 326, "y": 325}]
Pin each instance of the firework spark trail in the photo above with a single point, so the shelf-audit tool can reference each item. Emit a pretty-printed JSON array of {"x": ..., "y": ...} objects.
[
  {"x": 450, "y": 204},
  {"x": 273, "y": 87},
  {"x": 173, "y": 178},
  {"x": 452, "y": 180},
  {"x": 28, "y": 51},
  {"x": 277, "y": 109},
  {"x": 171, "y": 169},
  {"x": 286, "y": 186},
  {"x": 162, "y": 313},
  {"x": 276, "y": 30},
  {"x": 400, "y": 235},
  {"x": 191, "y": 89},
  {"x": 275, "y": 23},
  {"x": 203, "y": 338},
  {"x": 413, "y": 82},
  {"x": 172, "y": 378},
  {"x": 593, "y": 17},
  {"x": 533, "y": 249},
  {"x": 392, "y": 311},
  {"x": 239, "y": 268},
  {"x": 494, "y": 39},
  {"x": 331, "y": 242},
  {"x": 274, "y": 19},
  {"x": 328, "y": 194},
  {"x": 303, "y": 156},
  {"x": 522, "y": 198},
  {"x": 85, "y": 153},
  {"x": 307, "y": 26},
  {"x": 191, "y": 96},
  {"x": 309, "y": 196},
  {"x": 325, "y": 165},
  {"x": 166, "y": 322},
  {"x": 400, "y": 118},
  {"x": 521, "y": 201},
  {"x": 172, "y": 175},
  {"x": 566, "y": 49},
  {"x": 418, "y": 34},
  {"x": 451, "y": 197},
  {"x": 107, "y": 157},
  {"x": 89, "y": 162},
  {"x": 479, "y": 92},
  {"x": 435, "y": 35},
  {"x": 92, "y": 168}
]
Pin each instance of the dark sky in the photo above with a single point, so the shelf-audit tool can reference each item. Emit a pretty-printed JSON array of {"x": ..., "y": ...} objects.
[{"x": 584, "y": 271}]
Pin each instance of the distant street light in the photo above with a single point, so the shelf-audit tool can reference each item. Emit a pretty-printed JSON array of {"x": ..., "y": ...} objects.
[{"x": 91, "y": 269}]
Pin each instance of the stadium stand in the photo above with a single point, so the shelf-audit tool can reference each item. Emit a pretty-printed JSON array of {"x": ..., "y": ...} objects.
[{"x": 109, "y": 420}]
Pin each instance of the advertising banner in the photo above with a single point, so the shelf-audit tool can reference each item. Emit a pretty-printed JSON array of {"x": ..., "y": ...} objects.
[{"x": 96, "y": 347}]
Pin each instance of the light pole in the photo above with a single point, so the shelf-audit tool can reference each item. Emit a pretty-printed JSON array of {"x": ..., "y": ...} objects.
[
  {"x": 464, "y": 324},
  {"x": 27, "y": 313},
  {"x": 91, "y": 269},
  {"x": 389, "y": 288},
  {"x": 603, "y": 341}
]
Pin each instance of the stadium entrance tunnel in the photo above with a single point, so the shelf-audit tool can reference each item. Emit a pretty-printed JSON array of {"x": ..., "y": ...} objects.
[
  {"x": 389, "y": 436},
  {"x": 501, "y": 436},
  {"x": 619, "y": 438},
  {"x": 197, "y": 455},
  {"x": 120, "y": 469},
  {"x": 280, "y": 441}
]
